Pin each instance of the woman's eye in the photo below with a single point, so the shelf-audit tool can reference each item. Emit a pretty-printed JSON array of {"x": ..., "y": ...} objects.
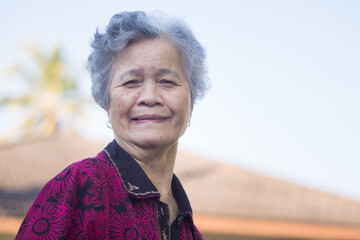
[
  {"x": 132, "y": 83},
  {"x": 167, "y": 82}
]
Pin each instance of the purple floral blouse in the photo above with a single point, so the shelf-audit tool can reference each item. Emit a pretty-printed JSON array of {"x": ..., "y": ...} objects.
[{"x": 106, "y": 197}]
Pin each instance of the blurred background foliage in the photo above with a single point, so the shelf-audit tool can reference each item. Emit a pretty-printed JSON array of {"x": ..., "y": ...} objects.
[{"x": 52, "y": 99}]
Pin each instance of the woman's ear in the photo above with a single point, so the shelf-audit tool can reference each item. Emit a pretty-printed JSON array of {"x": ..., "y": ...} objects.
[
  {"x": 191, "y": 110},
  {"x": 107, "y": 109},
  {"x": 108, "y": 123},
  {"x": 108, "y": 113}
]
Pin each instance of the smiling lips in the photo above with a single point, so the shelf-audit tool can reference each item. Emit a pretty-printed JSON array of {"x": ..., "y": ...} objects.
[{"x": 149, "y": 118}]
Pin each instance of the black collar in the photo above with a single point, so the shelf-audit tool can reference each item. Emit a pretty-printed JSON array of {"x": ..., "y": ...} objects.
[{"x": 136, "y": 182}]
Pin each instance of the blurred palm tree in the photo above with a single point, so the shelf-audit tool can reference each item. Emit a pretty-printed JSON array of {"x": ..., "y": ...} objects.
[{"x": 52, "y": 99}]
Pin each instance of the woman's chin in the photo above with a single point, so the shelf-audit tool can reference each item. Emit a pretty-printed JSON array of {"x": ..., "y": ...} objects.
[{"x": 154, "y": 142}]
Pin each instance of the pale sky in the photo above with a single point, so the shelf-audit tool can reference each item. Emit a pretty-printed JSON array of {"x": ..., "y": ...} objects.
[{"x": 285, "y": 79}]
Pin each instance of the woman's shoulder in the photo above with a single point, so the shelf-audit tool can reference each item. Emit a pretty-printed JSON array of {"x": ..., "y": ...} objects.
[
  {"x": 65, "y": 197},
  {"x": 92, "y": 165},
  {"x": 75, "y": 176},
  {"x": 88, "y": 165}
]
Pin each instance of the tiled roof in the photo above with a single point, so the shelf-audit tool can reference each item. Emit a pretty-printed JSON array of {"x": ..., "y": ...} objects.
[
  {"x": 214, "y": 188},
  {"x": 218, "y": 189}
]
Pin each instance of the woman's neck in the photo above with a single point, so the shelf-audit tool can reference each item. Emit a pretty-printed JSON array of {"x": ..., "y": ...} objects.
[
  {"x": 157, "y": 163},
  {"x": 159, "y": 168}
]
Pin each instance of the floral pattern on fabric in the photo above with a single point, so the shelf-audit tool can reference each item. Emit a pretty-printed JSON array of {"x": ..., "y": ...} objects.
[
  {"x": 64, "y": 180},
  {"x": 42, "y": 225},
  {"x": 87, "y": 200},
  {"x": 76, "y": 227},
  {"x": 107, "y": 181}
]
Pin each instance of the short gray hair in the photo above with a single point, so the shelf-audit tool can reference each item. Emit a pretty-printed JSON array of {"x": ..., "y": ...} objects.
[{"x": 128, "y": 27}]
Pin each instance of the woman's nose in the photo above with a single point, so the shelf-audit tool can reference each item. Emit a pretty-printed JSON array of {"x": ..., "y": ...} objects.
[{"x": 149, "y": 94}]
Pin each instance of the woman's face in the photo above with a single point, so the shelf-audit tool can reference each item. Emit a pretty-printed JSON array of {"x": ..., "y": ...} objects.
[{"x": 150, "y": 101}]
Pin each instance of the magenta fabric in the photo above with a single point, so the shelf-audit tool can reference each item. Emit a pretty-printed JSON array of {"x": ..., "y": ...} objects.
[{"x": 106, "y": 197}]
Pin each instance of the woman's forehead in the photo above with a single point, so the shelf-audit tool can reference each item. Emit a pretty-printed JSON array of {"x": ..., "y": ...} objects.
[
  {"x": 150, "y": 48},
  {"x": 158, "y": 56}
]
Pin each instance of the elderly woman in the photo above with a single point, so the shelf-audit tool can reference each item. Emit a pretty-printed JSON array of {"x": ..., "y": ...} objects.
[{"x": 147, "y": 73}]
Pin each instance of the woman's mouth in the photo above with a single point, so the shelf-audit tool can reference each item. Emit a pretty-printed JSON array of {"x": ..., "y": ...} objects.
[{"x": 149, "y": 118}]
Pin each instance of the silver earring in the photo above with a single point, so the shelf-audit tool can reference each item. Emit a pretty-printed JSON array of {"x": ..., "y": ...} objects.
[
  {"x": 108, "y": 124},
  {"x": 189, "y": 123}
]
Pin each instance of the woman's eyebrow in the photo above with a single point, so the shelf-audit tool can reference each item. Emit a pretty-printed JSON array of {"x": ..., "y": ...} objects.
[
  {"x": 130, "y": 72},
  {"x": 167, "y": 71}
]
